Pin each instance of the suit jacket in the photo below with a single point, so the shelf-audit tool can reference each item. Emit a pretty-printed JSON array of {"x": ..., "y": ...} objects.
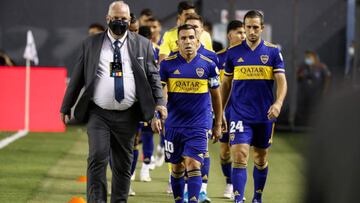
[{"x": 146, "y": 74}]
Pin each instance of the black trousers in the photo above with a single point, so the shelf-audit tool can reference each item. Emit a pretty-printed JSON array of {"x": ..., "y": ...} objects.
[{"x": 110, "y": 131}]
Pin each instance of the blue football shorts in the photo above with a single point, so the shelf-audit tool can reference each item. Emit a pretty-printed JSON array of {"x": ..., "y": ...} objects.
[
  {"x": 255, "y": 134},
  {"x": 185, "y": 142}
]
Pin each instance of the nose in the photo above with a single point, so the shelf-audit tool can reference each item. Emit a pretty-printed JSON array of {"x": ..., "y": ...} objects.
[{"x": 252, "y": 30}]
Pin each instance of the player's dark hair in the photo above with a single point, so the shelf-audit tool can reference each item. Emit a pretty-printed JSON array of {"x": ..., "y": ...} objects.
[
  {"x": 97, "y": 26},
  {"x": 186, "y": 27},
  {"x": 233, "y": 25},
  {"x": 146, "y": 12},
  {"x": 194, "y": 16},
  {"x": 255, "y": 14},
  {"x": 184, "y": 5},
  {"x": 153, "y": 19}
]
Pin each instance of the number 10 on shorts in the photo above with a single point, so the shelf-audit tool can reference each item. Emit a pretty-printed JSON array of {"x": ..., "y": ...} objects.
[
  {"x": 169, "y": 147},
  {"x": 236, "y": 126}
]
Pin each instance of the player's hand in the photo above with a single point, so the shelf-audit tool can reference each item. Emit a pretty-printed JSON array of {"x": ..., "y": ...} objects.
[
  {"x": 157, "y": 122},
  {"x": 216, "y": 133},
  {"x": 224, "y": 124},
  {"x": 156, "y": 125},
  {"x": 163, "y": 111},
  {"x": 274, "y": 111},
  {"x": 65, "y": 117}
]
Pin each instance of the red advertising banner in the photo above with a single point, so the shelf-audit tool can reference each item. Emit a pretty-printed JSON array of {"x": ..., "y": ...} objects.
[{"x": 47, "y": 88}]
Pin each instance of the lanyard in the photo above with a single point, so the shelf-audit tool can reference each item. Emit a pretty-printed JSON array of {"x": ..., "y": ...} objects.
[{"x": 112, "y": 44}]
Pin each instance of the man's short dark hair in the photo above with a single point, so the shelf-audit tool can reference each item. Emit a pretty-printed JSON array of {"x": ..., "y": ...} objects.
[
  {"x": 153, "y": 19},
  {"x": 186, "y": 27},
  {"x": 184, "y": 5},
  {"x": 97, "y": 26},
  {"x": 233, "y": 25},
  {"x": 146, "y": 12},
  {"x": 194, "y": 16},
  {"x": 255, "y": 14}
]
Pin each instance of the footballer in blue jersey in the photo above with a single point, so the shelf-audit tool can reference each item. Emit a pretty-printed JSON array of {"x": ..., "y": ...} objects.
[
  {"x": 235, "y": 34},
  {"x": 196, "y": 21},
  {"x": 250, "y": 71},
  {"x": 205, "y": 167},
  {"x": 189, "y": 76}
]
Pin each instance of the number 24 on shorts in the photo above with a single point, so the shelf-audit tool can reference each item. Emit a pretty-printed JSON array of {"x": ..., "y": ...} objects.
[{"x": 236, "y": 126}]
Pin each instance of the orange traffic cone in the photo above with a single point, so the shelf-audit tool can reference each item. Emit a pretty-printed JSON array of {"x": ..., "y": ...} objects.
[
  {"x": 77, "y": 200},
  {"x": 82, "y": 179}
]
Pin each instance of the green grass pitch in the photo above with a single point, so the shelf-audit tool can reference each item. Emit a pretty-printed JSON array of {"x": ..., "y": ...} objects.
[{"x": 44, "y": 167}]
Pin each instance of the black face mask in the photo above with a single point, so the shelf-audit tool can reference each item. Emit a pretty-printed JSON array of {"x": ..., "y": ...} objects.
[{"x": 118, "y": 27}]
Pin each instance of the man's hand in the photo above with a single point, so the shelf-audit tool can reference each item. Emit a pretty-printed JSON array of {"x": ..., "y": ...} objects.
[
  {"x": 65, "y": 117},
  {"x": 156, "y": 125},
  {"x": 274, "y": 111},
  {"x": 163, "y": 112},
  {"x": 216, "y": 133}
]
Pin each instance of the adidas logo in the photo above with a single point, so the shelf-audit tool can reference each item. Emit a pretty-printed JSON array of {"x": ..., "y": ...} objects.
[
  {"x": 259, "y": 191},
  {"x": 193, "y": 199},
  {"x": 240, "y": 60},
  {"x": 177, "y": 72},
  {"x": 178, "y": 198}
]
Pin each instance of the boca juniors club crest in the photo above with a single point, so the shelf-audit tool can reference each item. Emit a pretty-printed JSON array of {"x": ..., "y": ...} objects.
[
  {"x": 264, "y": 58},
  {"x": 200, "y": 72},
  {"x": 168, "y": 155}
]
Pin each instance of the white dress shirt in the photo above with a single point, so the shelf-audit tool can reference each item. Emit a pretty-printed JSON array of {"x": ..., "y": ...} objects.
[{"x": 104, "y": 95}]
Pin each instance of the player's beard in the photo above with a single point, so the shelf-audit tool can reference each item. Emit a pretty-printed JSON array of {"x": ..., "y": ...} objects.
[{"x": 253, "y": 39}]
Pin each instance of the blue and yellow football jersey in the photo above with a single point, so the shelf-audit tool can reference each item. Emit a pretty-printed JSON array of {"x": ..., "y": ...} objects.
[
  {"x": 188, "y": 89},
  {"x": 212, "y": 56},
  {"x": 253, "y": 79}
]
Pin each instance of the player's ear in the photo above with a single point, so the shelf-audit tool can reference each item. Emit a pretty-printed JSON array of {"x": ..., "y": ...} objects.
[{"x": 228, "y": 36}]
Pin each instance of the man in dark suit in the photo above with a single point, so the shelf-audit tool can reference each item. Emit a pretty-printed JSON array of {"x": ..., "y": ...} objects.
[{"x": 122, "y": 87}]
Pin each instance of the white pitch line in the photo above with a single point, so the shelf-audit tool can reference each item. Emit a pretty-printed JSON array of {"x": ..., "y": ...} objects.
[{"x": 12, "y": 138}]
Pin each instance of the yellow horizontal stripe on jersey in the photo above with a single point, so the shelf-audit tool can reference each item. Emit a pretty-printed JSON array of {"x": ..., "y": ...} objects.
[
  {"x": 253, "y": 73},
  {"x": 188, "y": 85}
]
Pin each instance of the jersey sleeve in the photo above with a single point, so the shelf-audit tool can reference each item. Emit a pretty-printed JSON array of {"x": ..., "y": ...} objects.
[
  {"x": 165, "y": 45},
  {"x": 214, "y": 80},
  {"x": 229, "y": 66},
  {"x": 163, "y": 73},
  {"x": 278, "y": 66}
]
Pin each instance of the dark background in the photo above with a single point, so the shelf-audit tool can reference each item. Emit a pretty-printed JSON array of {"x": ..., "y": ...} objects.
[{"x": 60, "y": 26}]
